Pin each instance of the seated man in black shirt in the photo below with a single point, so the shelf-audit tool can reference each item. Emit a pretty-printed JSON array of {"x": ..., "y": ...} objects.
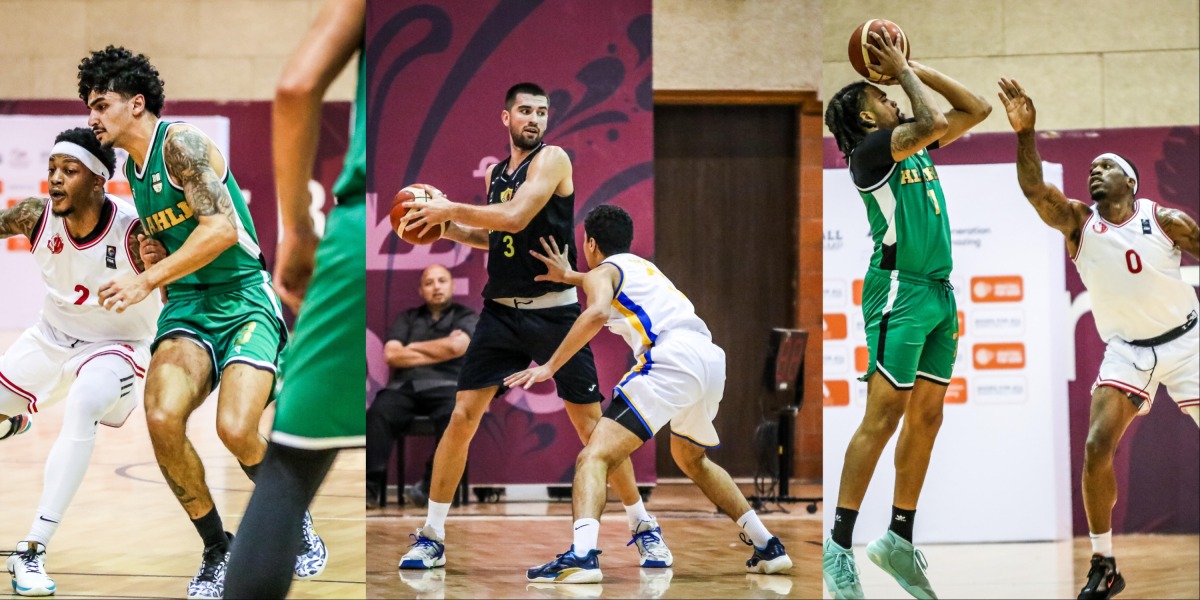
[{"x": 424, "y": 348}]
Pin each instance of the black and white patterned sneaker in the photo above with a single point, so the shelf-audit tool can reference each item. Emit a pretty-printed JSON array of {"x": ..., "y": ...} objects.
[
  {"x": 314, "y": 556},
  {"x": 209, "y": 581}
]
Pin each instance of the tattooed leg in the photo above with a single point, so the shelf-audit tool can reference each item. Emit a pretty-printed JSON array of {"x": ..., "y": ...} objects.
[{"x": 176, "y": 384}]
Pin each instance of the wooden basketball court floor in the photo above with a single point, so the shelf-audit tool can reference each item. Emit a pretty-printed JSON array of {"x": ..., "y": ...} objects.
[
  {"x": 491, "y": 545},
  {"x": 125, "y": 535},
  {"x": 1155, "y": 566}
]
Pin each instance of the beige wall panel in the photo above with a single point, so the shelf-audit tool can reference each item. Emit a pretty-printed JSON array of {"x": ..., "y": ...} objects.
[
  {"x": 940, "y": 28},
  {"x": 1064, "y": 26},
  {"x": 250, "y": 28},
  {"x": 161, "y": 32},
  {"x": 737, "y": 44},
  {"x": 197, "y": 78},
  {"x": 38, "y": 28},
  {"x": 48, "y": 81},
  {"x": 1143, "y": 89}
]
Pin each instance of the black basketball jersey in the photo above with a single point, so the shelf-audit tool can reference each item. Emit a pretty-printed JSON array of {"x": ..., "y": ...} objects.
[{"x": 510, "y": 267}]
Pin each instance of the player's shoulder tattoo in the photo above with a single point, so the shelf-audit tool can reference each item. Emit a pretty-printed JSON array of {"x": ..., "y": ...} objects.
[
  {"x": 186, "y": 153},
  {"x": 21, "y": 218}
]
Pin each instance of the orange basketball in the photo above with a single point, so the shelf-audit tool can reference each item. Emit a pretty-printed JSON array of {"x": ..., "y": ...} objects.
[
  {"x": 860, "y": 58},
  {"x": 399, "y": 214}
]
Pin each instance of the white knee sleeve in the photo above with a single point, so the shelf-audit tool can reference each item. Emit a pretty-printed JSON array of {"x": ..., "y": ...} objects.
[{"x": 102, "y": 384}]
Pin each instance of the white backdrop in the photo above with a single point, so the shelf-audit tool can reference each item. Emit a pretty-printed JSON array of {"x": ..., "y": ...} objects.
[
  {"x": 1000, "y": 467},
  {"x": 25, "y": 142}
]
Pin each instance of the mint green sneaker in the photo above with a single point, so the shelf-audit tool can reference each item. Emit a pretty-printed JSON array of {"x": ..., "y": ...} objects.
[
  {"x": 840, "y": 572},
  {"x": 903, "y": 562}
]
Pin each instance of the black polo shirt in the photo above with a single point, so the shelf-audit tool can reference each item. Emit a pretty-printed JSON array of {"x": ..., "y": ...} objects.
[{"x": 417, "y": 325}]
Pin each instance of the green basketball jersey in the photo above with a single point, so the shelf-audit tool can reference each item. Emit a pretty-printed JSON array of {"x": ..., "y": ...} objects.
[
  {"x": 167, "y": 217},
  {"x": 907, "y": 213},
  {"x": 351, "y": 185}
]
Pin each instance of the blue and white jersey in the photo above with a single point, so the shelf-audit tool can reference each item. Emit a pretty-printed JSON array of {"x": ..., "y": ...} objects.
[{"x": 647, "y": 305}]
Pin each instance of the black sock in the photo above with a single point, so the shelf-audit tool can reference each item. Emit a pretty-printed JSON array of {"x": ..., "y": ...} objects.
[
  {"x": 251, "y": 471},
  {"x": 211, "y": 530},
  {"x": 843, "y": 526},
  {"x": 902, "y": 522}
]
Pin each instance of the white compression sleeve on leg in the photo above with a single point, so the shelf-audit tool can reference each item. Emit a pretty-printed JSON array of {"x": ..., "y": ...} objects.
[{"x": 95, "y": 391}]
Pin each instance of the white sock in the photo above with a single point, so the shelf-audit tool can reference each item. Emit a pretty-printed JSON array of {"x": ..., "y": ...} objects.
[
  {"x": 96, "y": 391},
  {"x": 1102, "y": 543},
  {"x": 755, "y": 529},
  {"x": 587, "y": 531},
  {"x": 636, "y": 514},
  {"x": 437, "y": 517}
]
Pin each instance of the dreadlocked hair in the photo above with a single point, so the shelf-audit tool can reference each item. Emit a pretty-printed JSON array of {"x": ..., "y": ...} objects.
[
  {"x": 841, "y": 117},
  {"x": 115, "y": 69}
]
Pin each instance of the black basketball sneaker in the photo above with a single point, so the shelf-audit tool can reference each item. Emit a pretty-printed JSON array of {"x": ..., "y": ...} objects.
[{"x": 1104, "y": 580}]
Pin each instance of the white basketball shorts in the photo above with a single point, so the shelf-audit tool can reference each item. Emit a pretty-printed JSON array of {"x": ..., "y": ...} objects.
[
  {"x": 680, "y": 380},
  {"x": 1139, "y": 371},
  {"x": 40, "y": 366}
]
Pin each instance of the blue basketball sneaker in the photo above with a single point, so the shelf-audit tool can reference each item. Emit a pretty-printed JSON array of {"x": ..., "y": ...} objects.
[
  {"x": 427, "y": 551},
  {"x": 651, "y": 546},
  {"x": 568, "y": 568},
  {"x": 771, "y": 559}
]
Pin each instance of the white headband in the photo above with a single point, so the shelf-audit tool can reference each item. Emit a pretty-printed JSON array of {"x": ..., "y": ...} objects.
[
  {"x": 1125, "y": 166},
  {"x": 81, "y": 154}
]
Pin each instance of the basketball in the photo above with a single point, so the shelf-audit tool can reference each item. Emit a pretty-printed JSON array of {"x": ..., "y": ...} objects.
[
  {"x": 860, "y": 58},
  {"x": 399, "y": 215}
]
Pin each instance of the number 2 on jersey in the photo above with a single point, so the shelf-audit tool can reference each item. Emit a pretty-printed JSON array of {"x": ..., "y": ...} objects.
[{"x": 83, "y": 295}]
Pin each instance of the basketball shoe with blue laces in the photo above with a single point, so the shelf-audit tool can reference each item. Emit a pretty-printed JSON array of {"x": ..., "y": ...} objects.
[
  {"x": 28, "y": 569},
  {"x": 314, "y": 556},
  {"x": 771, "y": 559},
  {"x": 651, "y": 545},
  {"x": 427, "y": 551},
  {"x": 840, "y": 572},
  {"x": 900, "y": 559},
  {"x": 569, "y": 568}
]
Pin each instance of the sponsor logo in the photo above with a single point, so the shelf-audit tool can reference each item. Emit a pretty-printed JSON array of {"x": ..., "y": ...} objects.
[
  {"x": 156, "y": 182},
  {"x": 1146, "y": 226},
  {"x": 998, "y": 322},
  {"x": 997, "y": 288},
  {"x": 834, "y": 293},
  {"x": 956, "y": 392},
  {"x": 833, "y": 239},
  {"x": 834, "y": 326},
  {"x": 835, "y": 393},
  {"x": 110, "y": 257},
  {"x": 55, "y": 244},
  {"x": 1099, "y": 227},
  {"x": 962, "y": 324},
  {"x": 999, "y": 356},
  {"x": 835, "y": 359},
  {"x": 862, "y": 356},
  {"x": 858, "y": 285},
  {"x": 999, "y": 390}
]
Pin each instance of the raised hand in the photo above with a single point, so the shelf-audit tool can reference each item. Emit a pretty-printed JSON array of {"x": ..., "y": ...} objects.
[
  {"x": 1019, "y": 106},
  {"x": 890, "y": 58},
  {"x": 558, "y": 265}
]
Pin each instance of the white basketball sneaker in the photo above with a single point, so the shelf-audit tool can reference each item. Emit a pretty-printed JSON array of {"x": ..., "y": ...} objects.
[
  {"x": 313, "y": 557},
  {"x": 28, "y": 569},
  {"x": 650, "y": 545}
]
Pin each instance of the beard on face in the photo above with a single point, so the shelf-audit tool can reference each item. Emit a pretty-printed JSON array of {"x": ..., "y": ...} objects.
[
  {"x": 62, "y": 213},
  {"x": 518, "y": 139}
]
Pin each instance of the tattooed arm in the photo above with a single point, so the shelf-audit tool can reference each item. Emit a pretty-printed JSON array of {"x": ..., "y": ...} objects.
[
  {"x": 969, "y": 108},
  {"x": 1180, "y": 228},
  {"x": 21, "y": 219},
  {"x": 189, "y": 157},
  {"x": 908, "y": 138}
]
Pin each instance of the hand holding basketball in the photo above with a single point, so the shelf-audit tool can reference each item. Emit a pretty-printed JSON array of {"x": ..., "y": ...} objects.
[
  {"x": 1019, "y": 106},
  {"x": 410, "y": 220},
  {"x": 879, "y": 51}
]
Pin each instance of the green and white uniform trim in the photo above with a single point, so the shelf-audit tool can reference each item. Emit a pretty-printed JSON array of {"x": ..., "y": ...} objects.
[{"x": 907, "y": 214}]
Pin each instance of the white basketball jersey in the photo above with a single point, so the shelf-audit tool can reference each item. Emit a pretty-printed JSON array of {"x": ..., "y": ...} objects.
[
  {"x": 1131, "y": 271},
  {"x": 647, "y": 305},
  {"x": 75, "y": 270}
]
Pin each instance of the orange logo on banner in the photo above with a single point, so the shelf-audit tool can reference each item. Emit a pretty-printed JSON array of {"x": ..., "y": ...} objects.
[
  {"x": 120, "y": 188},
  {"x": 835, "y": 326},
  {"x": 1, "y": 186},
  {"x": 45, "y": 187},
  {"x": 836, "y": 393},
  {"x": 861, "y": 356},
  {"x": 956, "y": 392},
  {"x": 858, "y": 283},
  {"x": 999, "y": 356},
  {"x": 962, "y": 324},
  {"x": 997, "y": 288},
  {"x": 17, "y": 243}
]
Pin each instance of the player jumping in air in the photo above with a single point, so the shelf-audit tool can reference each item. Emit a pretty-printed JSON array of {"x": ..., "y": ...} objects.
[
  {"x": 1127, "y": 251},
  {"x": 907, "y": 302}
]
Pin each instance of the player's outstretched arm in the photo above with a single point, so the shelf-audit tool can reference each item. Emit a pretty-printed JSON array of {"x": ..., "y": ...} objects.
[
  {"x": 1055, "y": 209},
  {"x": 1181, "y": 228},
  {"x": 558, "y": 264},
  {"x": 600, "y": 284},
  {"x": 930, "y": 124},
  {"x": 20, "y": 219},
  {"x": 547, "y": 170},
  {"x": 332, "y": 39},
  {"x": 969, "y": 108}
]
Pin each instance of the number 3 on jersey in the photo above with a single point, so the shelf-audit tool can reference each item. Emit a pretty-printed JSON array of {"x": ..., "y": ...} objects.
[{"x": 509, "y": 250}]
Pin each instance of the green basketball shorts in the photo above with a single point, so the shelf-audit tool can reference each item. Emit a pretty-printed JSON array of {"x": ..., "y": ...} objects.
[{"x": 911, "y": 326}]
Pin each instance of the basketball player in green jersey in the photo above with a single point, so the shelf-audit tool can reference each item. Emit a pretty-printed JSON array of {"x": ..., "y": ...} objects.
[
  {"x": 222, "y": 323},
  {"x": 909, "y": 310},
  {"x": 322, "y": 404}
]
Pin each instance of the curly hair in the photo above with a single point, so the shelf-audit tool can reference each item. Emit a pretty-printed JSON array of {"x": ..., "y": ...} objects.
[
  {"x": 841, "y": 116},
  {"x": 115, "y": 69},
  {"x": 611, "y": 227},
  {"x": 84, "y": 137}
]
